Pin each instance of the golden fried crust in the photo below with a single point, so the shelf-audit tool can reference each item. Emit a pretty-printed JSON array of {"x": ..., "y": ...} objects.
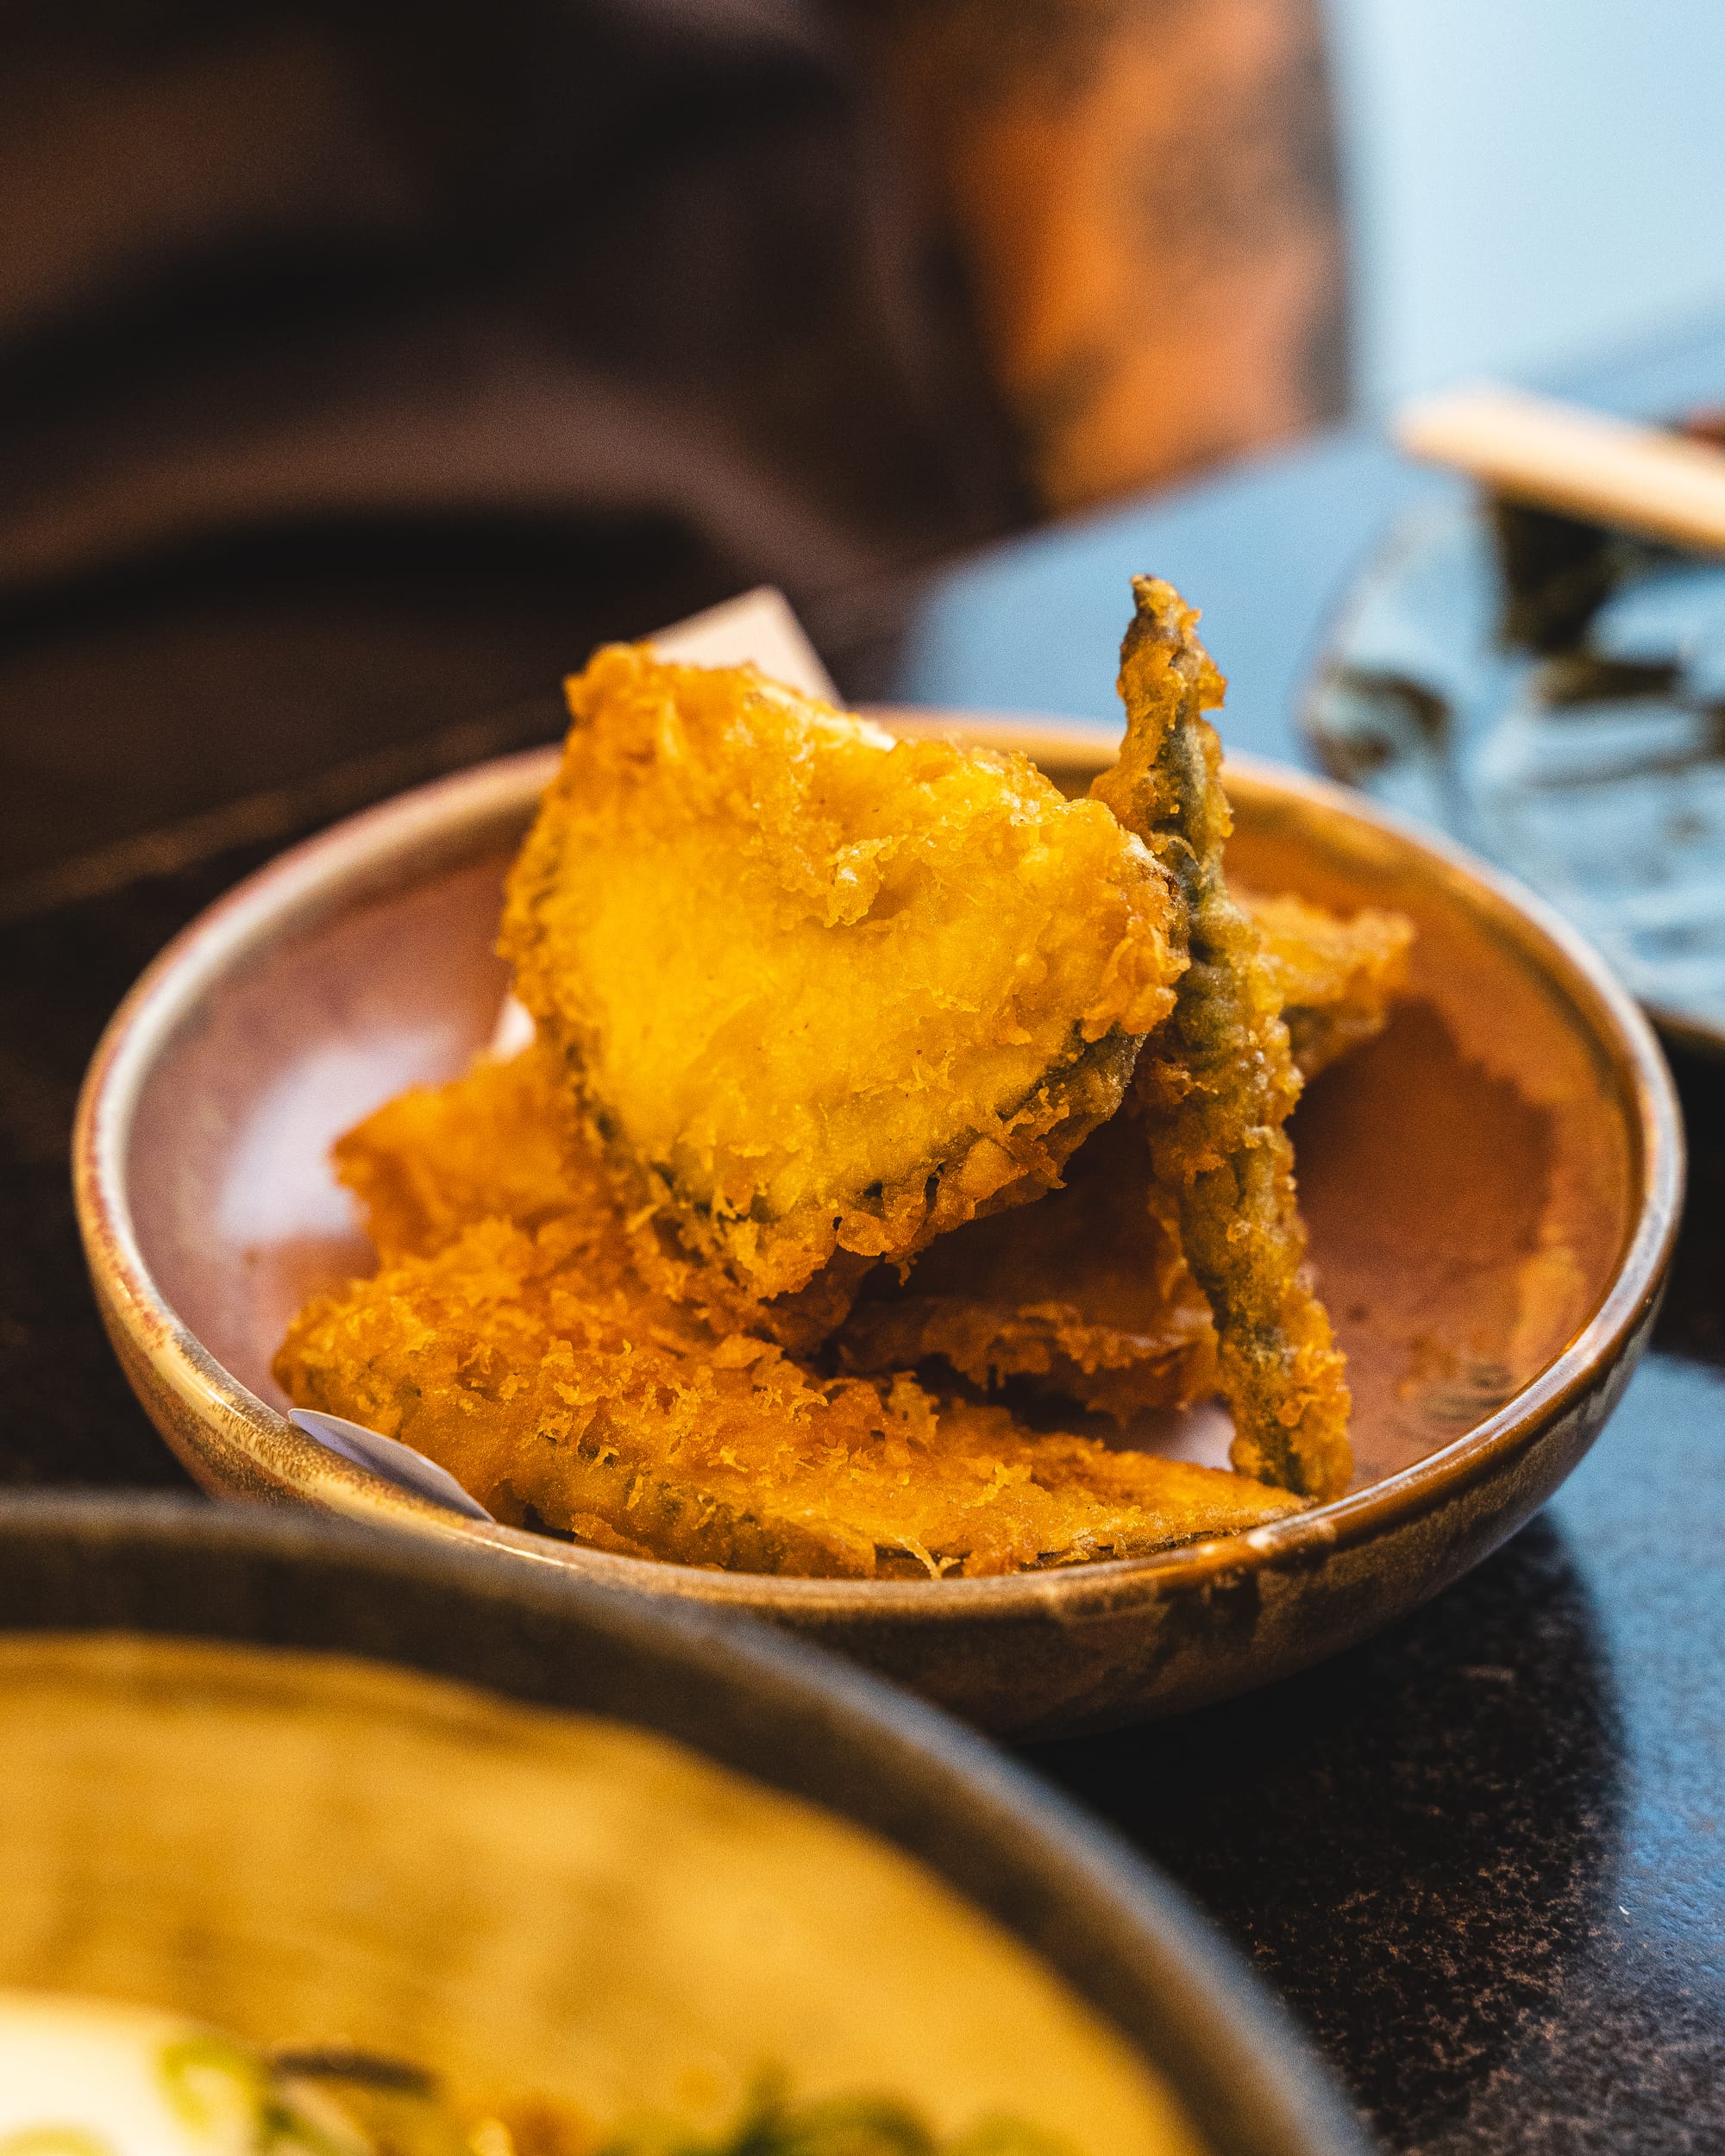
[
  {"x": 505, "y": 1142},
  {"x": 1219, "y": 1082},
  {"x": 819, "y": 990},
  {"x": 565, "y": 1393},
  {"x": 501, "y": 1142},
  {"x": 1336, "y": 978},
  {"x": 581, "y": 1364},
  {"x": 1085, "y": 1295}
]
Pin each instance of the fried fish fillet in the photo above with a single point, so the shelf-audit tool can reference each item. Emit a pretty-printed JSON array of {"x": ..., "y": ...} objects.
[
  {"x": 819, "y": 990},
  {"x": 565, "y": 1392},
  {"x": 1087, "y": 1293},
  {"x": 1219, "y": 1082}
]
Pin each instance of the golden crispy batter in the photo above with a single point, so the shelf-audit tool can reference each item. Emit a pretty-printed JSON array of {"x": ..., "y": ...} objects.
[
  {"x": 818, "y": 989},
  {"x": 1087, "y": 1294},
  {"x": 1219, "y": 1082},
  {"x": 564, "y": 1392},
  {"x": 505, "y": 1143},
  {"x": 826, "y": 996},
  {"x": 501, "y": 1142},
  {"x": 1335, "y": 979},
  {"x": 1086, "y": 1289}
]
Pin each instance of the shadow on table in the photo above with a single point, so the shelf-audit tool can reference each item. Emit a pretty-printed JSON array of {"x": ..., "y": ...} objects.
[{"x": 1414, "y": 1841}]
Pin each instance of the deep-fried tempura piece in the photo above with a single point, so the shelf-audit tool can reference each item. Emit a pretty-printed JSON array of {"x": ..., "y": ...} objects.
[
  {"x": 1336, "y": 978},
  {"x": 563, "y": 1392},
  {"x": 1085, "y": 1293},
  {"x": 676, "y": 1380},
  {"x": 1218, "y": 1083},
  {"x": 505, "y": 1143},
  {"x": 501, "y": 1142},
  {"x": 818, "y": 989}
]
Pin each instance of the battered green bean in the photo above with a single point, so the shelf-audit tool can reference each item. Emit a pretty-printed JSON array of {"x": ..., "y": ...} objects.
[{"x": 1216, "y": 1082}]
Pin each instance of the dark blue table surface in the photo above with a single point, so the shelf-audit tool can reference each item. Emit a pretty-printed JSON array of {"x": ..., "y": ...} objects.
[{"x": 1483, "y": 1857}]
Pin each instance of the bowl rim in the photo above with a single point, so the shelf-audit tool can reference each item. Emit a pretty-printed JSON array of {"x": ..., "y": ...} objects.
[
  {"x": 1121, "y": 1935},
  {"x": 445, "y": 822}
]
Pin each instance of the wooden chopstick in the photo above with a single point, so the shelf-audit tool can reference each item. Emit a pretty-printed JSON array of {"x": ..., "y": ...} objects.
[{"x": 1567, "y": 458}]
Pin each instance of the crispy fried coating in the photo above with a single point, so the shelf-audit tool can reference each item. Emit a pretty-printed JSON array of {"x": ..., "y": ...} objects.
[
  {"x": 573, "y": 1369},
  {"x": 502, "y": 1143},
  {"x": 1085, "y": 1290},
  {"x": 807, "y": 999},
  {"x": 1335, "y": 978},
  {"x": 1218, "y": 1083},
  {"x": 505, "y": 1142},
  {"x": 1088, "y": 1295},
  {"x": 560, "y": 1389},
  {"x": 819, "y": 990},
  {"x": 1085, "y": 1293}
]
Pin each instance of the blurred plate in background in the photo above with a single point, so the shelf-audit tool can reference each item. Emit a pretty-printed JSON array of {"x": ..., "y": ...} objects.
[{"x": 1552, "y": 696}]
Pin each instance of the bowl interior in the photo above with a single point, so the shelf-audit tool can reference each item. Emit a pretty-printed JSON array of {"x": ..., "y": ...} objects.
[
  {"x": 1471, "y": 1180},
  {"x": 319, "y": 1852}
]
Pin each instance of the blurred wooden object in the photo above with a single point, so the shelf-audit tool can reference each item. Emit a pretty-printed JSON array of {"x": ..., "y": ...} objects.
[
  {"x": 1583, "y": 463},
  {"x": 1143, "y": 202}
]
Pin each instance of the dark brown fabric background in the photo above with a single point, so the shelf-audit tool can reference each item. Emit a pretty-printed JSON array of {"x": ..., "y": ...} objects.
[{"x": 361, "y": 363}]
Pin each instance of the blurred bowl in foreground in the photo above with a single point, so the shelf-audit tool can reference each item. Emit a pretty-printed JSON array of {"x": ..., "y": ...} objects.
[{"x": 325, "y": 1788}]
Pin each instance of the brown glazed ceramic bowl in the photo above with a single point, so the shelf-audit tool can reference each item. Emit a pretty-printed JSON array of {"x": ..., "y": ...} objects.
[
  {"x": 330, "y": 1788},
  {"x": 1492, "y": 1189}
]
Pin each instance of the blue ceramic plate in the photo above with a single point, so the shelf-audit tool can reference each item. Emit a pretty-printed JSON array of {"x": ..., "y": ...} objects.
[{"x": 1552, "y": 696}]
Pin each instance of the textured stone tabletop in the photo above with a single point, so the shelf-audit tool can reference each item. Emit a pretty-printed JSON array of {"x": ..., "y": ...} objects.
[{"x": 1483, "y": 1856}]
